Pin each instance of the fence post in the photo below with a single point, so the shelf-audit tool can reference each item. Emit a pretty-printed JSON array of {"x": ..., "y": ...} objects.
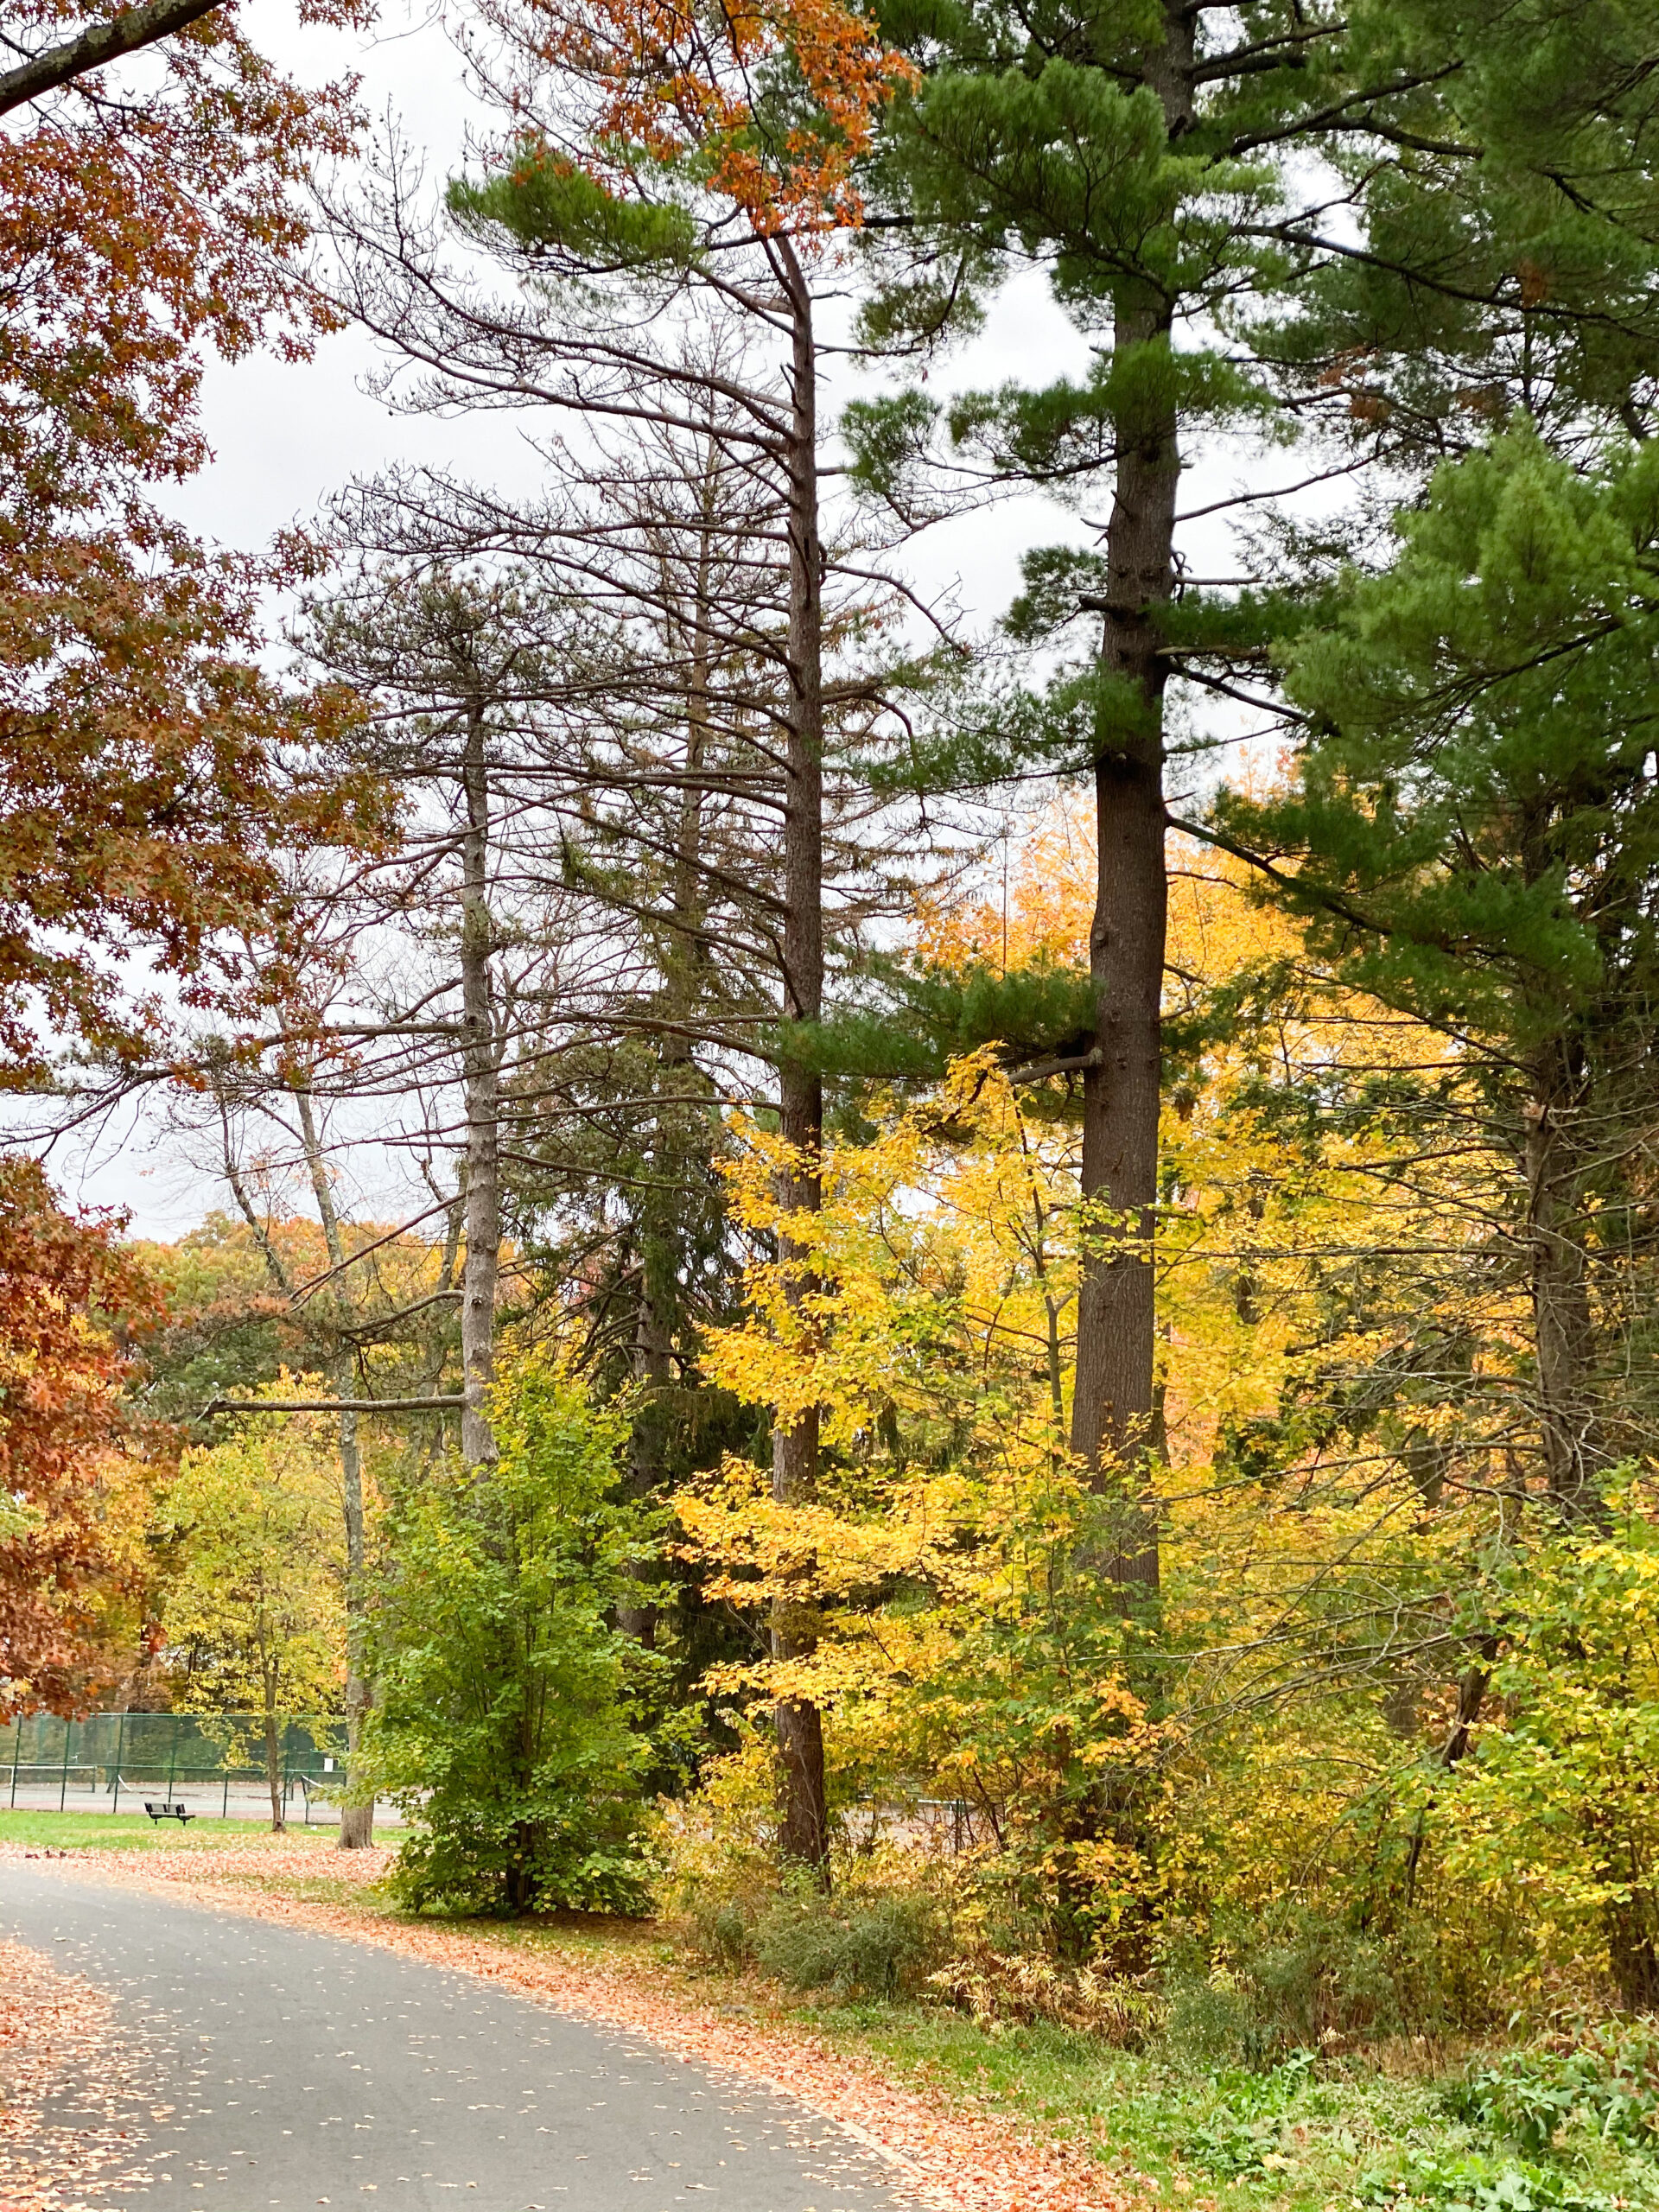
[
  {"x": 63, "y": 1792},
  {"x": 172, "y": 1758},
  {"x": 16, "y": 1752},
  {"x": 225, "y": 1810},
  {"x": 120, "y": 1746}
]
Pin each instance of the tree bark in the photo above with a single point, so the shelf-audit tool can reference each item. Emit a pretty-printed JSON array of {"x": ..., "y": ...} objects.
[
  {"x": 481, "y": 1265},
  {"x": 1574, "y": 1451},
  {"x": 1473, "y": 1686},
  {"x": 1114, "y": 1405},
  {"x": 653, "y": 1347},
  {"x": 1112, "y": 1402},
  {"x": 273, "y": 1758},
  {"x": 652, "y": 1370},
  {"x": 100, "y": 43},
  {"x": 356, "y": 1811},
  {"x": 804, "y": 1830},
  {"x": 356, "y": 1819}
]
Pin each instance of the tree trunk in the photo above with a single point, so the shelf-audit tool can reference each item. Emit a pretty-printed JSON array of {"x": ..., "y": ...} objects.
[
  {"x": 356, "y": 1819},
  {"x": 357, "y": 1810},
  {"x": 1114, "y": 1405},
  {"x": 684, "y": 982},
  {"x": 652, "y": 1373},
  {"x": 1473, "y": 1686},
  {"x": 479, "y": 1059},
  {"x": 273, "y": 1759},
  {"x": 804, "y": 1829},
  {"x": 1574, "y": 1451}
]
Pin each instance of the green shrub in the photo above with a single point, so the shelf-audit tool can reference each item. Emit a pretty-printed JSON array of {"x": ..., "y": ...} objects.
[
  {"x": 1303, "y": 1982},
  {"x": 879, "y": 1946},
  {"x": 724, "y": 1932},
  {"x": 1480, "y": 2185},
  {"x": 1209, "y": 2017},
  {"x": 504, "y": 1724},
  {"x": 1241, "y": 2135},
  {"x": 1605, "y": 2087}
]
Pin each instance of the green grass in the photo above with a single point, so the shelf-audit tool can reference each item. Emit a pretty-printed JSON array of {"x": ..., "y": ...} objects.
[
  {"x": 72, "y": 1832},
  {"x": 64, "y": 1831}
]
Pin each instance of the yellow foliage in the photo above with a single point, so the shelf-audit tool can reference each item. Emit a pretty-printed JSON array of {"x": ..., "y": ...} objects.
[{"x": 965, "y": 1646}]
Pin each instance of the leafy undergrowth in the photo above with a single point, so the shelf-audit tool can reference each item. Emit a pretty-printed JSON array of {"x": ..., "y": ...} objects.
[
  {"x": 1405, "y": 2129},
  {"x": 1026, "y": 2116}
]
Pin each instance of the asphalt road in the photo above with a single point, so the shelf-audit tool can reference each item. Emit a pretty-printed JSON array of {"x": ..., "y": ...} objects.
[{"x": 264, "y": 2067}]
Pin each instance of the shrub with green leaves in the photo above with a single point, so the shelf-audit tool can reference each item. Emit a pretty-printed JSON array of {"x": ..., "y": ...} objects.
[
  {"x": 505, "y": 1724},
  {"x": 879, "y": 1946},
  {"x": 1474, "y": 2183},
  {"x": 1241, "y": 2135},
  {"x": 1294, "y": 1980},
  {"x": 1605, "y": 2087}
]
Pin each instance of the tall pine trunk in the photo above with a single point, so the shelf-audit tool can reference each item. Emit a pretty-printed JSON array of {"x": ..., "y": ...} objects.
[
  {"x": 653, "y": 1344},
  {"x": 652, "y": 1365},
  {"x": 804, "y": 1824},
  {"x": 357, "y": 1809},
  {"x": 479, "y": 1061},
  {"x": 1113, "y": 1405},
  {"x": 1114, "y": 1412},
  {"x": 1574, "y": 1451}
]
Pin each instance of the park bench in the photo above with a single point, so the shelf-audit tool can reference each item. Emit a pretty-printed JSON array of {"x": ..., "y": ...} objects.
[{"x": 166, "y": 1812}]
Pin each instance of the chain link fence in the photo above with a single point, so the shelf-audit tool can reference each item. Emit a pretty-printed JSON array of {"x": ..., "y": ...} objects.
[{"x": 209, "y": 1763}]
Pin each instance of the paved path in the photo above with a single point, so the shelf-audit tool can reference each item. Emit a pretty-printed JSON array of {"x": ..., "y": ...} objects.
[{"x": 285, "y": 2069}]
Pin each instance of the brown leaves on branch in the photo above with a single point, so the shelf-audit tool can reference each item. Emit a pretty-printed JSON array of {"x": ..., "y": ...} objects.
[
  {"x": 71, "y": 1464},
  {"x": 154, "y": 775},
  {"x": 152, "y": 780}
]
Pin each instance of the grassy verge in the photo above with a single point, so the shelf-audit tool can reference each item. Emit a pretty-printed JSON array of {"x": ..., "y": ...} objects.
[
  {"x": 1398, "y": 2129},
  {"x": 301, "y": 1863},
  {"x": 121, "y": 1831},
  {"x": 1390, "y": 2130},
  {"x": 1409, "y": 2128}
]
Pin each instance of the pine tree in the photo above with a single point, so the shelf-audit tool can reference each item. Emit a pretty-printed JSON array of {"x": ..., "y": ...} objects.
[
  {"x": 1186, "y": 178},
  {"x": 658, "y": 190},
  {"x": 1473, "y": 837}
]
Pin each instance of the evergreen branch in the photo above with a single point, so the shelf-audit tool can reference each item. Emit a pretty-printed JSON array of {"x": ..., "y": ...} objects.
[
  {"x": 1339, "y": 117},
  {"x": 1333, "y": 901},
  {"x": 1265, "y": 54}
]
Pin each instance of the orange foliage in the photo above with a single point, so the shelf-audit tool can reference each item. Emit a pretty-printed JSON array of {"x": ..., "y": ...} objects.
[
  {"x": 676, "y": 83},
  {"x": 68, "y": 1484},
  {"x": 142, "y": 751}
]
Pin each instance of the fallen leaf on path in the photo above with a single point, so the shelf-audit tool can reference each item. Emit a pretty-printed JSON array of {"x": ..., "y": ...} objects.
[{"x": 60, "y": 2040}]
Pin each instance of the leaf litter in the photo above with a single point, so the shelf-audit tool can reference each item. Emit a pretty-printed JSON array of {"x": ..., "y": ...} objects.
[{"x": 77, "y": 2083}]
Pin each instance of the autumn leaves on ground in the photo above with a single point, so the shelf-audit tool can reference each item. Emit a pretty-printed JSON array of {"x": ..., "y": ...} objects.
[{"x": 952, "y": 2152}]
